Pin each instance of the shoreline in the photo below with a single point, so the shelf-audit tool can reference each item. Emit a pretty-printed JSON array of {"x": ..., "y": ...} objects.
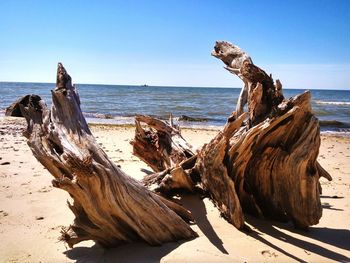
[{"x": 95, "y": 122}]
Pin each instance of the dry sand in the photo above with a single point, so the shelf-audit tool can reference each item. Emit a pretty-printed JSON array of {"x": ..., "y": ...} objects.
[{"x": 32, "y": 212}]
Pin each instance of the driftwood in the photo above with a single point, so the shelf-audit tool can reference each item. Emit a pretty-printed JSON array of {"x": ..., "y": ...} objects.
[
  {"x": 181, "y": 177},
  {"x": 160, "y": 143},
  {"x": 161, "y": 146},
  {"x": 14, "y": 109},
  {"x": 272, "y": 165},
  {"x": 109, "y": 207},
  {"x": 262, "y": 95},
  {"x": 263, "y": 162}
]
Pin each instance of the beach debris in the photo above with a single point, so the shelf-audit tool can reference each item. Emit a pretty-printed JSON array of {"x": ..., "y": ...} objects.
[
  {"x": 39, "y": 218},
  {"x": 14, "y": 109},
  {"x": 190, "y": 119},
  {"x": 110, "y": 207},
  {"x": 307, "y": 252},
  {"x": 5, "y": 163},
  {"x": 263, "y": 162},
  {"x": 159, "y": 143},
  {"x": 161, "y": 146}
]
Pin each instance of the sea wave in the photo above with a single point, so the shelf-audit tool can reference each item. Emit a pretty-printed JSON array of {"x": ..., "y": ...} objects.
[
  {"x": 191, "y": 119},
  {"x": 98, "y": 115},
  {"x": 336, "y": 133},
  {"x": 114, "y": 120},
  {"x": 334, "y": 123},
  {"x": 338, "y": 103}
]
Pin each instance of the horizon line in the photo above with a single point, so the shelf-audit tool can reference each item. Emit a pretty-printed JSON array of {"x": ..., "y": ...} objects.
[{"x": 170, "y": 86}]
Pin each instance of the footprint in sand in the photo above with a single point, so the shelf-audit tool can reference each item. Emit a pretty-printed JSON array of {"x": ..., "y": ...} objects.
[
  {"x": 268, "y": 253},
  {"x": 44, "y": 190},
  {"x": 3, "y": 213}
]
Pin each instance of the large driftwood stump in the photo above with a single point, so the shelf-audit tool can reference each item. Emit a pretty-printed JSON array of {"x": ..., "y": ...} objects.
[
  {"x": 272, "y": 165},
  {"x": 271, "y": 160},
  {"x": 263, "y": 162},
  {"x": 110, "y": 207}
]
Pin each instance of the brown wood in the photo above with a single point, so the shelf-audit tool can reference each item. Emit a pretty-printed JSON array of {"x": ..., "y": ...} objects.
[
  {"x": 158, "y": 143},
  {"x": 271, "y": 160},
  {"x": 181, "y": 177},
  {"x": 259, "y": 91},
  {"x": 14, "y": 109},
  {"x": 266, "y": 164},
  {"x": 109, "y": 207},
  {"x": 161, "y": 146},
  {"x": 213, "y": 166},
  {"x": 263, "y": 162}
]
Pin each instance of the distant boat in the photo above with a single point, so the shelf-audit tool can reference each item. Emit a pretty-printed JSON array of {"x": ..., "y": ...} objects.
[{"x": 144, "y": 85}]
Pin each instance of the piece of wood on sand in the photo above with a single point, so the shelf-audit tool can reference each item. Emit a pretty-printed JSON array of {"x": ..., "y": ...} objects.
[
  {"x": 161, "y": 146},
  {"x": 159, "y": 143},
  {"x": 263, "y": 162},
  {"x": 14, "y": 109},
  {"x": 110, "y": 207}
]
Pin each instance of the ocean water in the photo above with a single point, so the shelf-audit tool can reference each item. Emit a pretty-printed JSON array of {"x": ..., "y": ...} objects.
[{"x": 207, "y": 106}]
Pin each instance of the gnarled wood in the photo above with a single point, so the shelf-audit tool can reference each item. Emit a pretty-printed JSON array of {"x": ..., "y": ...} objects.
[
  {"x": 14, "y": 109},
  {"x": 159, "y": 144},
  {"x": 182, "y": 176},
  {"x": 274, "y": 165},
  {"x": 266, "y": 165},
  {"x": 259, "y": 89},
  {"x": 110, "y": 207},
  {"x": 212, "y": 164},
  {"x": 272, "y": 161}
]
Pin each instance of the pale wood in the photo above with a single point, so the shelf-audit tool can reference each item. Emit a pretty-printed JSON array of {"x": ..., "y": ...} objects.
[
  {"x": 14, "y": 109},
  {"x": 213, "y": 166},
  {"x": 159, "y": 143},
  {"x": 263, "y": 162},
  {"x": 238, "y": 62},
  {"x": 110, "y": 207}
]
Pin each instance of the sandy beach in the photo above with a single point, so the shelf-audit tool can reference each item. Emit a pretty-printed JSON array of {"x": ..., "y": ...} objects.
[{"x": 32, "y": 212}]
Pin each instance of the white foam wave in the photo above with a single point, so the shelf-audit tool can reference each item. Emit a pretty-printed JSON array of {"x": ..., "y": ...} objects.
[
  {"x": 115, "y": 120},
  {"x": 339, "y": 103},
  {"x": 336, "y": 133}
]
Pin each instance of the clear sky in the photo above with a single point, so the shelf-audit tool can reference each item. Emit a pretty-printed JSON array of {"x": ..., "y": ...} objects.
[{"x": 304, "y": 43}]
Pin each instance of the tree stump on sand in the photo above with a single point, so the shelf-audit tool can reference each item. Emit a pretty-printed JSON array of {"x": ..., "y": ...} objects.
[
  {"x": 109, "y": 207},
  {"x": 263, "y": 162}
]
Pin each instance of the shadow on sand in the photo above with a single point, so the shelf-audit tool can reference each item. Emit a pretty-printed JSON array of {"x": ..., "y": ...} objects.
[
  {"x": 130, "y": 253},
  {"x": 142, "y": 252},
  {"x": 335, "y": 237},
  {"x": 197, "y": 207}
]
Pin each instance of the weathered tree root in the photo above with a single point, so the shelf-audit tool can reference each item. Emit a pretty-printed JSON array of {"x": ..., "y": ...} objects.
[
  {"x": 110, "y": 207},
  {"x": 265, "y": 166},
  {"x": 159, "y": 144}
]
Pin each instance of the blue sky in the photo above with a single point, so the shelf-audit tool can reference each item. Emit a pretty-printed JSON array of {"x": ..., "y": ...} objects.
[{"x": 304, "y": 43}]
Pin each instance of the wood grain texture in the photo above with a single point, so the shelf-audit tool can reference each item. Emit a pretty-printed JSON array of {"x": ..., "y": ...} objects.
[{"x": 110, "y": 207}]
